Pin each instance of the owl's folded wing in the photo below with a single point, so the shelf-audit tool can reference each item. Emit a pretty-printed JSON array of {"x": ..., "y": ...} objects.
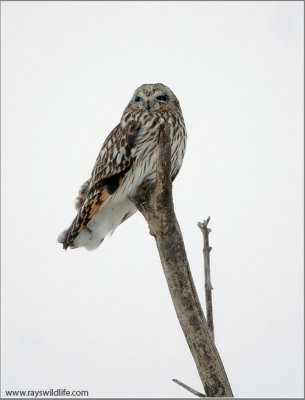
[{"x": 113, "y": 162}]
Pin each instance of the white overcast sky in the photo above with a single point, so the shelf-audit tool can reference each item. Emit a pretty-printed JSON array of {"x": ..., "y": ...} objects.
[{"x": 103, "y": 321}]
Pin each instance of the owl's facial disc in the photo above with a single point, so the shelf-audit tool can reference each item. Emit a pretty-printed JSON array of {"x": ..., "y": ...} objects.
[
  {"x": 153, "y": 97},
  {"x": 151, "y": 102}
]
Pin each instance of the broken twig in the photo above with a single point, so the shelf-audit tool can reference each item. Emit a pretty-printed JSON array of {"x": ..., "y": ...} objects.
[
  {"x": 203, "y": 226},
  {"x": 195, "y": 392}
]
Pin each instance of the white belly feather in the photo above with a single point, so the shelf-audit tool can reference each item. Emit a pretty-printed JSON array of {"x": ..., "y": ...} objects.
[{"x": 104, "y": 223}]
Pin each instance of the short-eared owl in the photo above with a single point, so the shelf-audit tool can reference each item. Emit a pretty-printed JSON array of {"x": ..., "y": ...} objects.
[{"x": 127, "y": 159}]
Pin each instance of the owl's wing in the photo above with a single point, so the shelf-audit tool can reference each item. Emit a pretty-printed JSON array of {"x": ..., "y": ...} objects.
[{"x": 113, "y": 162}]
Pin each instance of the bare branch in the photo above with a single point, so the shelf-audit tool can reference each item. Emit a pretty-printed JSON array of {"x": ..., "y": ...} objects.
[
  {"x": 203, "y": 226},
  {"x": 156, "y": 204},
  {"x": 195, "y": 392}
]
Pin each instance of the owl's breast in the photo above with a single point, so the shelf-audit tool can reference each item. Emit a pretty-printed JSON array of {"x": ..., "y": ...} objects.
[{"x": 144, "y": 153}]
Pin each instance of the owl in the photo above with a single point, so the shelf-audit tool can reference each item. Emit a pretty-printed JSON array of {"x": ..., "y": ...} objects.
[{"x": 126, "y": 160}]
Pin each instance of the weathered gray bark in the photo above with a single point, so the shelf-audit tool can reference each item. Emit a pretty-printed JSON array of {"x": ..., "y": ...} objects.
[{"x": 156, "y": 204}]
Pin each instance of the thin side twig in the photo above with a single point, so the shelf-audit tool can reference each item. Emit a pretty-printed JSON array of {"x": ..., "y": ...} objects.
[
  {"x": 195, "y": 392},
  {"x": 203, "y": 226}
]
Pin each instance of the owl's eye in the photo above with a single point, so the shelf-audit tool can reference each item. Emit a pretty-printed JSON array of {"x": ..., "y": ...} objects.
[
  {"x": 137, "y": 99},
  {"x": 163, "y": 97}
]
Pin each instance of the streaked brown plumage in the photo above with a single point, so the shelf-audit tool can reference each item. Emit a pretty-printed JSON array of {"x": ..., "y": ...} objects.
[{"x": 127, "y": 158}]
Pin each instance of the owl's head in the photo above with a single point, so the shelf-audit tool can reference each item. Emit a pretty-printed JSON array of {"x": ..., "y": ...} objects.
[{"x": 153, "y": 97}]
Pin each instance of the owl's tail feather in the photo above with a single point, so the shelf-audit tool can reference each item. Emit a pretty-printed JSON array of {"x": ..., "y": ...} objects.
[
  {"x": 102, "y": 224},
  {"x": 85, "y": 236},
  {"x": 62, "y": 239},
  {"x": 62, "y": 236}
]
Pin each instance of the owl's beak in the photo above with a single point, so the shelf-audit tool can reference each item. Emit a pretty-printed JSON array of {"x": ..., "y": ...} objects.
[{"x": 148, "y": 105}]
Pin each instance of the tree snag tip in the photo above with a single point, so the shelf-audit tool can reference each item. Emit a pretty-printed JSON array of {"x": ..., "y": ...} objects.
[{"x": 156, "y": 205}]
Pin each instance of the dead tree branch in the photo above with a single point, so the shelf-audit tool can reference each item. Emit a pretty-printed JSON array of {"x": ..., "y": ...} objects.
[
  {"x": 195, "y": 392},
  {"x": 203, "y": 226},
  {"x": 156, "y": 204}
]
